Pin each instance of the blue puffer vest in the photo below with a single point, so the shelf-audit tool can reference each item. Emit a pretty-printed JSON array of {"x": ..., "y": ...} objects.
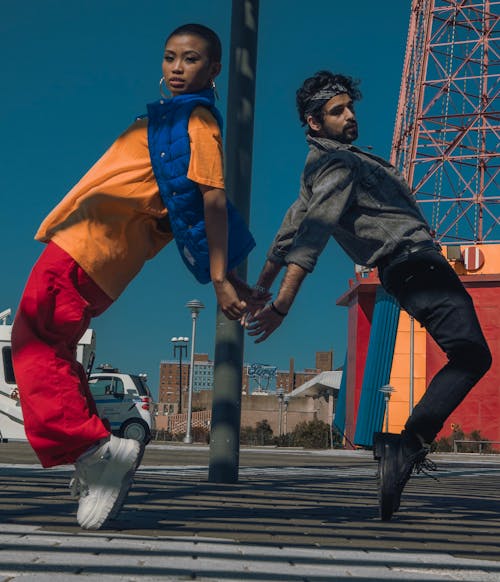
[{"x": 170, "y": 153}]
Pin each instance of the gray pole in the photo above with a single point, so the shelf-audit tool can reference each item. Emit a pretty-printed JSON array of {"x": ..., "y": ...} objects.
[
  {"x": 195, "y": 307},
  {"x": 228, "y": 359},
  {"x": 386, "y": 390},
  {"x": 411, "y": 396}
]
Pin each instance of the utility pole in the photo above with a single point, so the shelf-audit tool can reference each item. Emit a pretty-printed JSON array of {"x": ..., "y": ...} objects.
[{"x": 228, "y": 360}]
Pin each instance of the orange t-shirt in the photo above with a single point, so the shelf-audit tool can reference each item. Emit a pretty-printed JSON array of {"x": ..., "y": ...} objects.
[{"x": 110, "y": 221}]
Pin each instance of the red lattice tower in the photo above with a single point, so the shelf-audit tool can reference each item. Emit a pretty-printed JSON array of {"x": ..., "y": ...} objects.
[{"x": 447, "y": 133}]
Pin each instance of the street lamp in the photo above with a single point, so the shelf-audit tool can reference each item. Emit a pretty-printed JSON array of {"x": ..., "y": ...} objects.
[
  {"x": 286, "y": 401},
  {"x": 280, "y": 393},
  {"x": 180, "y": 346},
  {"x": 386, "y": 390},
  {"x": 195, "y": 307}
]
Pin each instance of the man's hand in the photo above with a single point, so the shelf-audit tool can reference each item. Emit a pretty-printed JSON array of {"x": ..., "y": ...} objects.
[
  {"x": 263, "y": 323},
  {"x": 231, "y": 305},
  {"x": 266, "y": 320}
]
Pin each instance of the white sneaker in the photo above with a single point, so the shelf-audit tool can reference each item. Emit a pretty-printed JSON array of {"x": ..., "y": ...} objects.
[{"x": 103, "y": 478}]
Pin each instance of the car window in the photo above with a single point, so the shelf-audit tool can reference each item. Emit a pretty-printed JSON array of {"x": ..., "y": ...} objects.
[
  {"x": 141, "y": 386},
  {"x": 118, "y": 387},
  {"x": 101, "y": 386}
]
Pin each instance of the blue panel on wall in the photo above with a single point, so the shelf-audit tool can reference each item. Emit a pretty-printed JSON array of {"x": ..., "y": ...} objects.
[
  {"x": 378, "y": 367},
  {"x": 339, "y": 418}
]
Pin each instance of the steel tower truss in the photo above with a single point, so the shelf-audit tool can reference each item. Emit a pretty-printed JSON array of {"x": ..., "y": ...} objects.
[{"x": 446, "y": 138}]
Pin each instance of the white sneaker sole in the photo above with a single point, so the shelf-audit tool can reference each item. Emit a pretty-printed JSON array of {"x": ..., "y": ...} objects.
[
  {"x": 110, "y": 502},
  {"x": 127, "y": 484}
]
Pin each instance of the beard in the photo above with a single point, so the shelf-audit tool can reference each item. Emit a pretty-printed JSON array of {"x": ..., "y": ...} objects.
[{"x": 350, "y": 133}]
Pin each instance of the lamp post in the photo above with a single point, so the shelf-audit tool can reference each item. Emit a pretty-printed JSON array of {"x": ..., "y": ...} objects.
[
  {"x": 180, "y": 346},
  {"x": 411, "y": 397},
  {"x": 286, "y": 400},
  {"x": 195, "y": 307},
  {"x": 387, "y": 390},
  {"x": 280, "y": 394}
]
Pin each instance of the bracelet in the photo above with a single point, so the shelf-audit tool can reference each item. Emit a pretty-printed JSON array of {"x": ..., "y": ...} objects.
[
  {"x": 260, "y": 289},
  {"x": 276, "y": 310}
]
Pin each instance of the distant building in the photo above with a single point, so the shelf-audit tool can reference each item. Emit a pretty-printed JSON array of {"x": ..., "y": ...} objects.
[
  {"x": 288, "y": 380},
  {"x": 174, "y": 380},
  {"x": 203, "y": 376},
  {"x": 324, "y": 361},
  {"x": 256, "y": 379}
]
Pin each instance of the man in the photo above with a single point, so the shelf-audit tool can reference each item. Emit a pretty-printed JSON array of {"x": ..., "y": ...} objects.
[{"x": 367, "y": 206}]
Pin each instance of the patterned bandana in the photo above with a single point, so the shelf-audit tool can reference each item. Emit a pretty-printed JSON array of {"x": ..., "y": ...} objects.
[{"x": 325, "y": 95}]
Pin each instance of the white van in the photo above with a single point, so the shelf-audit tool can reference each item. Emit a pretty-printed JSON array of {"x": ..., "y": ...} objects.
[
  {"x": 11, "y": 419},
  {"x": 127, "y": 406}
]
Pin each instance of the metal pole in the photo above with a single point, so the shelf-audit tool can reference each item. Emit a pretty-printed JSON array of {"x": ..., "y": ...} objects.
[
  {"x": 181, "y": 349},
  {"x": 189, "y": 438},
  {"x": 180, "y": 344},
  {"x": 195, "y": 307},
  {"x": 386, "y": 390},
  {"x": 411, "y": 397},
  {"x": 386, "y": 413},
  {"x": 228, "y": 359},
  {"x": 280, "y": 412}
]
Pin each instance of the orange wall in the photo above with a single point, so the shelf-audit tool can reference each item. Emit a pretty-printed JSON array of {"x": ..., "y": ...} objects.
[
  {"x": 481, "y": 408},
  {"x": 399, "y": 407}
]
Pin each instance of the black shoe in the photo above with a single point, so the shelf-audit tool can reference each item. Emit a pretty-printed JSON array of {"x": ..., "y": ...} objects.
[{"x": 398, "y": 456}]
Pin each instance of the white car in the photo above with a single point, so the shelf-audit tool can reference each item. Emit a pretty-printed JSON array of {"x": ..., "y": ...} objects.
[{"x": 124, "y": 401}]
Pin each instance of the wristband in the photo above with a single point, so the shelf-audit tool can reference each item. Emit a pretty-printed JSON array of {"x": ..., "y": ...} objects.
[{"x": 276, "y": 310}]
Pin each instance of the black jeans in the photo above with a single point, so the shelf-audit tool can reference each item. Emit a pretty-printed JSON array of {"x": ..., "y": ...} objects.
[{"x": 428, "y": 289}]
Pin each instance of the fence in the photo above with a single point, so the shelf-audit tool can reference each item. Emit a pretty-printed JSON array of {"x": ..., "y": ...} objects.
[
  {"x": 471, "y": 442},
  {"x": 177, "y": 423}
]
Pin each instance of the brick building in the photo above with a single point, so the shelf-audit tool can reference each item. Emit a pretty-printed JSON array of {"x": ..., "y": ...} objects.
[{"x": 174, "y": 382}]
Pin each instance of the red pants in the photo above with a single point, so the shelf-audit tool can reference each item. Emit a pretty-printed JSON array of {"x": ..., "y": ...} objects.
[{"x": 60, "y": 416}]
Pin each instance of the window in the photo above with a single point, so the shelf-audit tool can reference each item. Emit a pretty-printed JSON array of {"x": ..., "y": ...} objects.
[
  {"x": 106, "y": 386},
  {"x": 141, "y": 386},
  {"x": 7, "y": 365},
  {"x": 118, "y": 387},
  {"x": 101, "y": 386}
]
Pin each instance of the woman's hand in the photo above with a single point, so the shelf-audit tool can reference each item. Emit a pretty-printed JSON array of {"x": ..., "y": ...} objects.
[
  {"x": 255, "y": 297},
  {"x": 231, "y": 305}
]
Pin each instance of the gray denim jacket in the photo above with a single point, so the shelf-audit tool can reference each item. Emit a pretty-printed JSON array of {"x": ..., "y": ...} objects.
[{"x": 356, "y": 197}]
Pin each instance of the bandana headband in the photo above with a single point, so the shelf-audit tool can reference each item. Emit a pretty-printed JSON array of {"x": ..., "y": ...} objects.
[{"x": 325, "y": 95}]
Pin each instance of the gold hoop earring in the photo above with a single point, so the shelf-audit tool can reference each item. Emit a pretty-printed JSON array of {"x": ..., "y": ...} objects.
[
  {"x": 214, "y": 88},
  {"x": 162, "y": 93}
]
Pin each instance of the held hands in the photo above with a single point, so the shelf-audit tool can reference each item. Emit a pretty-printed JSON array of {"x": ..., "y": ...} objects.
[
  {"x": 262, "y": 321},
  {"x": 255, "y": 297},
  {"x": 227, "y": 298},
  {"x": 237, "y": 299}
]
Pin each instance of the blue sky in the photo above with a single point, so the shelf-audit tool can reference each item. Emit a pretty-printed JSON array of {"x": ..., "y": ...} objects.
[{"x": 75, "y": 74}]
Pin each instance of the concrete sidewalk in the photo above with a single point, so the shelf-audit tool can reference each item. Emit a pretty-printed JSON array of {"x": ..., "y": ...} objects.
[{"x": 293, "y": 516}]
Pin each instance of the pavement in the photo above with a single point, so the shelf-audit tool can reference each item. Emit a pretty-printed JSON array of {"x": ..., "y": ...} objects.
[{"x": 294, "y": 516}]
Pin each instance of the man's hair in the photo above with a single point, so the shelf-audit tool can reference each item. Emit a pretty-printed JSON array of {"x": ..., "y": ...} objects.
[
  {"x": 306, "y": 105},
  {"x": 207, "y": 34}
]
